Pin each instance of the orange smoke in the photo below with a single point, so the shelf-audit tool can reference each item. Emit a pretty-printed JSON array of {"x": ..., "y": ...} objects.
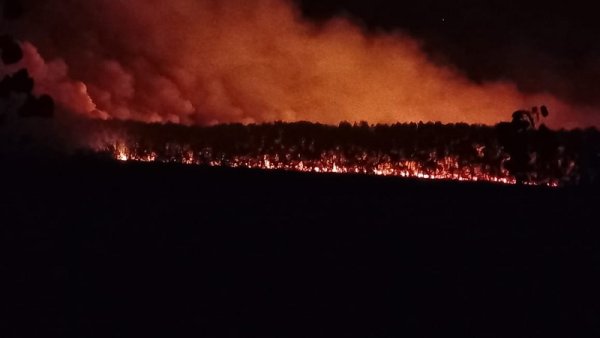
[{"x": 215, "y": 61}]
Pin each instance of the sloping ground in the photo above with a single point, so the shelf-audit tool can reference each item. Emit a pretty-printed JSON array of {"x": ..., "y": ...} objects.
[{"x": 102, "y": 249}]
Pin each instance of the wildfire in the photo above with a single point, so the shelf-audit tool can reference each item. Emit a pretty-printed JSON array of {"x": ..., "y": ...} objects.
[
  {"x": 123, "y": 154},
  {"x": 445, "y": 168}
]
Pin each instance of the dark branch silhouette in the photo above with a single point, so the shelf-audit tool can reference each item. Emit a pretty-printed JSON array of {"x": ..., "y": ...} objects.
[
  {"x": 20, "y": 82},
  {"x": 530, "y": 156}
]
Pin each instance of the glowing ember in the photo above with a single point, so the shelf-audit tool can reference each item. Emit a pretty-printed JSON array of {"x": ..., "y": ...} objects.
[
  {"x": 122, "y": 154},
  {"x": 427, "y": 151},
  {"x": 446, "y": 168}
]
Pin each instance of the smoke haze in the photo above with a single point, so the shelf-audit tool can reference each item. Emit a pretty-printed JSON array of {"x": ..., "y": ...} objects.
[{"x": 215, "y": 61}]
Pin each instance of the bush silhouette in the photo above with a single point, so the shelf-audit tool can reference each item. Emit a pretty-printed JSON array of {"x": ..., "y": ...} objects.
[{"x": 20, "y": 82}]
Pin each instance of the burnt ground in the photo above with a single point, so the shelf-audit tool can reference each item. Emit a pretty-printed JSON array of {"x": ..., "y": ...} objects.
[{"x": 102, "y": 249}]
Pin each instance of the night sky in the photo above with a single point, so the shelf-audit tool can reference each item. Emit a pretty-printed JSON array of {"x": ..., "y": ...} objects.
[{"x": 540, "y": 44}]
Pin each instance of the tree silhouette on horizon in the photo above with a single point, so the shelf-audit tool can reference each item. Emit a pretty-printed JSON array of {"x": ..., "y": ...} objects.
[{"x": 20, "y": 82}]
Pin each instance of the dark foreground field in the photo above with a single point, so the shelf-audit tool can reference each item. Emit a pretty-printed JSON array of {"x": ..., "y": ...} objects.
[{"x": 92, "y": 249}]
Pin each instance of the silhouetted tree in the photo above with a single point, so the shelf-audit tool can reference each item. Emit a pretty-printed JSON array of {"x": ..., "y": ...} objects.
[
  {"x": 516, "y": 138},
  {"x": 39, "y": 107},
  {"x": 11, "y": 51},
  {"x": 558, "y": 154},
  {"x": 20, "y": 82}
]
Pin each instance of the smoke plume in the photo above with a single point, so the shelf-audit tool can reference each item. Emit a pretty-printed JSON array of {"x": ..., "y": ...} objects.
[{"x": 215, "y": 61}]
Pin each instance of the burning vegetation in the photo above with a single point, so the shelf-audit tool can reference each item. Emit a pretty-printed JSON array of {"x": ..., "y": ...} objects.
[
  {"x": 341, "y": 61},
  {"x": 500, "y": 154},
  {"x": 523, "y": 151}
]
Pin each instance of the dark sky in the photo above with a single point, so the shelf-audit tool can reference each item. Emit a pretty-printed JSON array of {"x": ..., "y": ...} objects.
[{"x": 542, "y": 45}]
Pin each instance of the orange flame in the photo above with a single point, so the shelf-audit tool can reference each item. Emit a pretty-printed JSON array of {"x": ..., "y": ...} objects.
[{"x": 445, "y": 168}]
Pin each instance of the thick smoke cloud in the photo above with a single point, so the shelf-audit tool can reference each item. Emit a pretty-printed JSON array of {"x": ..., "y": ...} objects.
[{"x": 215, "y": 61}]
